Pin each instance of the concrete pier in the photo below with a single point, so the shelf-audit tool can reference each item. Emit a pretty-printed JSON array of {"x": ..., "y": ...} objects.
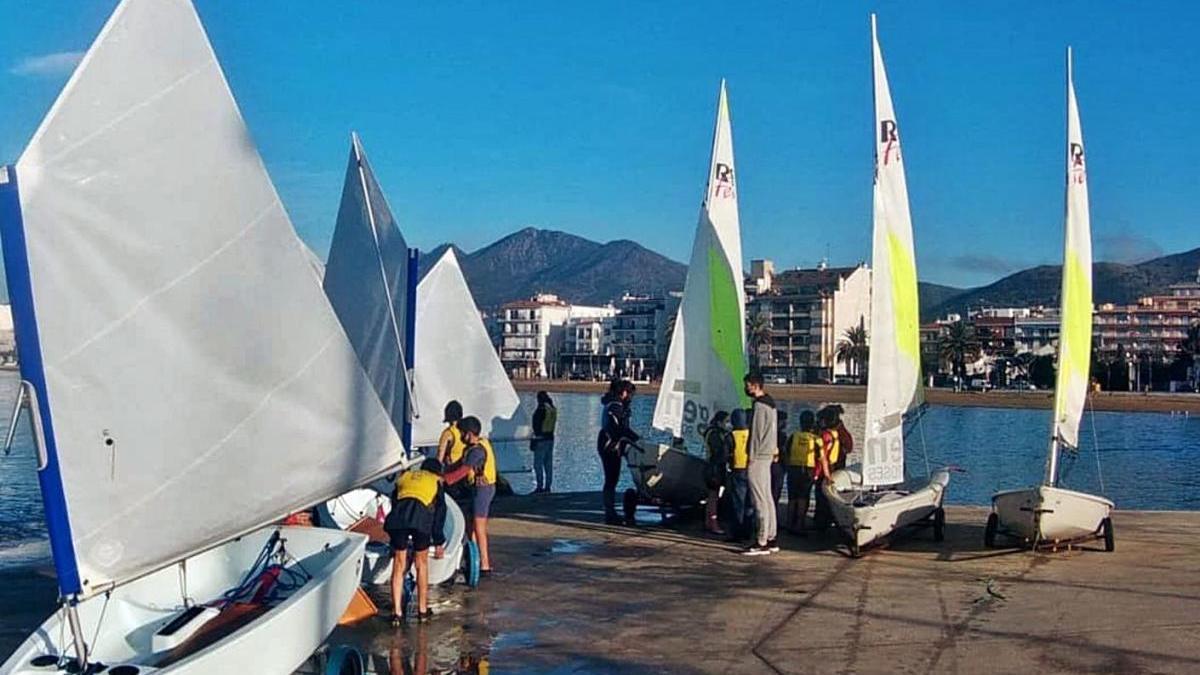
[{"x": 572, "y": 595}]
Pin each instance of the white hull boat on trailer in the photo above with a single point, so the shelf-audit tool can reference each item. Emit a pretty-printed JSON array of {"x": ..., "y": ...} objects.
[
  {"x": 1048, "y": 515},
  {"x": 188, "y": 384},
  {"x": 355, "y": 506},
  {"x": 868, "y": 515},
  {"x": 871, "y": 503},
  {"x": 172, "y": 620},
  {"x": 707, "y": 356}
]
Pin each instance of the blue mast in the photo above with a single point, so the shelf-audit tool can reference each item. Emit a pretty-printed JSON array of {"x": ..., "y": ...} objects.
[
  {"x": 33, "y": 376},
  {"x": 410, "y": 339}
]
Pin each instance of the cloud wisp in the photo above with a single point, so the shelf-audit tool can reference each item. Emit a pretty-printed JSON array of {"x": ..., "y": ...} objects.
[
  {"x": 1127, "y": 247},
  {"x": 55, "y": 64}
]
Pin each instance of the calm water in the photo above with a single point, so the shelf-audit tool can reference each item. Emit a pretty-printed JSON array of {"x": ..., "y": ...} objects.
[{"x": 1147, "y": 460}]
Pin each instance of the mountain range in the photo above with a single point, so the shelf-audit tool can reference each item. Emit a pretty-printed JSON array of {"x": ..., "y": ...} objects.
[
  {"x": 578, "y": 270},
  {"x": 583, "y": 271},
  {"x": 1111, "y": 282}
]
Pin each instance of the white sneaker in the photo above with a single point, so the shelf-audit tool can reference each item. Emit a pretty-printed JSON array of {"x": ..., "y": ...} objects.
[{"x": 757, "y": 550}]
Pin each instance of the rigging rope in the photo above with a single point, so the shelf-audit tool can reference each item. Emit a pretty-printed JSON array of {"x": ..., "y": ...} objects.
[{"x": 1095, "y": 443}]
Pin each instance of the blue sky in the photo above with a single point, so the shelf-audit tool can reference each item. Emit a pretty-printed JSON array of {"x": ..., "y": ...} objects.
[{"x": 596, "y": 118}]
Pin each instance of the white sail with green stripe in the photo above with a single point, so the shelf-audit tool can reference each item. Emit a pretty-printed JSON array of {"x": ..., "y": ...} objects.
[
  {"x": 1075, "y": 336},
  {"x": 707, "y": 357},
  {"x": 894, "y": 373}
]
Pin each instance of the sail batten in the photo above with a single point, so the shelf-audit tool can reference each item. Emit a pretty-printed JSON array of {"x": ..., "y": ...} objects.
[
  {"x": 1075, "y": 327},
  {"x": 894, "y": 364},
  {"x": 199, "y": 384},
  {"x": 707, "y": 356}
]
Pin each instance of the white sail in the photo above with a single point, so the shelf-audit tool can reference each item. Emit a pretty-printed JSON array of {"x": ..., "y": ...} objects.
[
  {"x": 894, "y": 370},
  {"x": 1075, "y": 333},
  {"x": 455, "y": 359},
  {"x": 366, "y": 280},
  {"x": 197, "y": 384},
  {"x": 710, "y": 326}
]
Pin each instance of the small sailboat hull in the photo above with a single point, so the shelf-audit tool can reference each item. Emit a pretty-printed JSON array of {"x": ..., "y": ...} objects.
[
  {"x": 352, "y": 507},
  {"x": 275, "y": 639},
  {"x": 1046, "y": 515},
  {"x": 865, "y": 517},
  {"x": 667, "y": 476}
]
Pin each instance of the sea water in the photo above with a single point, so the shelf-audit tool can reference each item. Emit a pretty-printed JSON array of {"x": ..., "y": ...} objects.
[{"x": 1143, "y": 460}]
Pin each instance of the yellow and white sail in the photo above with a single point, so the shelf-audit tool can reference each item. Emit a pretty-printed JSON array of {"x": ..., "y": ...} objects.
[
  {"x": 1075, "y": 336},
  {"x": 894, "y": 373},
  {"x": 707, "y": 357}
]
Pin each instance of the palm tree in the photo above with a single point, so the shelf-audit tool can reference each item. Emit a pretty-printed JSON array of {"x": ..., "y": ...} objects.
[
  {"x": 853, "y": 350},
  {"x": 959, "y": 345},
  {"x": 758, "y": 336}
]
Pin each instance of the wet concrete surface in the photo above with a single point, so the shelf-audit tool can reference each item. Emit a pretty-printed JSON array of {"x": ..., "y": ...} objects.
[{"x": 571, "y": 595}]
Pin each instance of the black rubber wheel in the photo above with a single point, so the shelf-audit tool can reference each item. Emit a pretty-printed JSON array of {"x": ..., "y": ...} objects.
[
  {"x": 939, "y": 525},
  {"x": 989, "y": 531},
  {"x": 344, "y": 660},
  {"x": 1110, "y": 544},
  {"x": 630, "y": 503}
]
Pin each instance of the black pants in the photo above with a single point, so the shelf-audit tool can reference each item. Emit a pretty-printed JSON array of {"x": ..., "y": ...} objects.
[
  {"x": 776, "y": 482},
  {"x": 823, "y": 515},
  {"x": 610, "y": 459}
]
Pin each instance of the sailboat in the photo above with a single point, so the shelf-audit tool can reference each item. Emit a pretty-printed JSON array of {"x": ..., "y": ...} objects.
[
  {"x": 1049, "y": 514},
  {"x": 368, "y": 278},
  {"x": 187, "y": 382},
  {"x": 873, "y": 501},
  {"x": 706, "y": 360}
]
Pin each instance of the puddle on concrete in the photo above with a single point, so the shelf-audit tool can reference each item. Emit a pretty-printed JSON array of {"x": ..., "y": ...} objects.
[{"x": 568, "y": 546}]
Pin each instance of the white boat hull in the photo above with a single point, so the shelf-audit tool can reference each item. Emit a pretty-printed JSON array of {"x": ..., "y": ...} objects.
[
  {"x": 664, "y": 475},
  {"x": 866, "y": 521},
  {"x": 277, "y": 641},
  {"x": 355, "y": 505},
  {"x": 1050, "y": 515}
]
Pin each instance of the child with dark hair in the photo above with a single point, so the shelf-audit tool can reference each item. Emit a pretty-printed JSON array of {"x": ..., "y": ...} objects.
[{"x": 478, "y": 470}]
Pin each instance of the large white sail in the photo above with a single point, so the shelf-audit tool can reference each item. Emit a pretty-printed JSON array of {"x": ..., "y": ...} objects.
[
  {"x": 707, "y": 358},
  {"x": 193, "y": 382},
  {"x": 1075, "y": 333},
  {"x": 366, "y": 279},
  {"x": 455, "y": 358},
  {"x": 894, "y": 371}
]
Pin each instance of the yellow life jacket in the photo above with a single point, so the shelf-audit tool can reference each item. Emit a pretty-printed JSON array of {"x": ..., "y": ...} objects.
[
  {"x": 802, "y": 449},
  {"x": 549, "y": 420},
  {"x": 457, "y": 446},
  {"x": 831, "y": 445},
  {"x": 741, "y": 443},
  {"x": 489, "y": 465},
  {"x": 419, "y": 485}
]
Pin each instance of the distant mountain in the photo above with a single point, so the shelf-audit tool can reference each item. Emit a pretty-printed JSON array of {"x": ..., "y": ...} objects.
[
  {"x": 1111, "y": 282},
  {"x": 578, "y": 270},
  {"x": 932, "y": 296}
]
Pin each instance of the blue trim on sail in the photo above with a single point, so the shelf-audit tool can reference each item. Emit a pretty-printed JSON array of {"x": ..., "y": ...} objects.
[
  {"x": 29, "y": 351},
  {"x": 410, "y": 334}
]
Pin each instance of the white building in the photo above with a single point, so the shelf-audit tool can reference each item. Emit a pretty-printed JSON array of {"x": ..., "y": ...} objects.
[
  {"x": 534, "y": 331},
  {"x": 810, "y": 311}
]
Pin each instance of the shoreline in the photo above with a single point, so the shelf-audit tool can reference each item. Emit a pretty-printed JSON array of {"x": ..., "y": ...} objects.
[{"x": 845, "y": 393}]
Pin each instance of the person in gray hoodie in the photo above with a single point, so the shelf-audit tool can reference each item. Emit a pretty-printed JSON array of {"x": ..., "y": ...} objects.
[{"x": 764, "y": 445}]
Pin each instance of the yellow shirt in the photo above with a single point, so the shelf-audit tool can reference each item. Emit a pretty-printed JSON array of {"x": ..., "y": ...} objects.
[
  {"x": 741, "y": 442},
  {"x": 802, "y": 449}
]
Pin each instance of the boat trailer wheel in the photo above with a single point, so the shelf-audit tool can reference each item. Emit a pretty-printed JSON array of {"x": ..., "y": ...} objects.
[
  {"x": 989, "y": 530},
  {"x": 1110, "y": 544},
  {"x": 630, "y": 503},
  {"x": 939, "y": 525},
  {"x": 471, "y": 563},
  {"x": 344, "y": 660}
]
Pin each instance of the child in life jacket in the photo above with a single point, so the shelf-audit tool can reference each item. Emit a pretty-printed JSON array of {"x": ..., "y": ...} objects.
[
  {"x": 478, "y": 470},
  {"x": 417, "y": 520}
]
